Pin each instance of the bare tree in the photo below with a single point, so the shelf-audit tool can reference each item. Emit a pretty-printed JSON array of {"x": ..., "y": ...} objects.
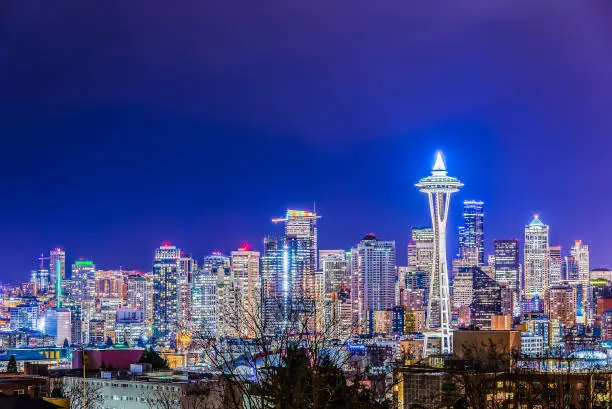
[
  {"x": 205, "y": 394},
  {"x": 478, "y": 380},
  {"x": 284, "y": 356},
  {"x": 82, "y": 395}
]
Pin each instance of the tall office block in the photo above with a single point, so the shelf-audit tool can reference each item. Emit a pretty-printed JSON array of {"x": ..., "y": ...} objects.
[
  {"x": 439, "y": 187},
  {"x": 487, "y": 299},
  {"x": 140, "y": 296},
  {"x": 507, "y": 265},
  {"x": 555, "y": 270},
  {"x": 471, "y": 234},
  {"x": 580, "y": 251},
  {"x": 40, "y": 279},
  {"x": 247, "y": 283},
  {"x": 376, "y": 275},
  {"x": 537, "y": 259},
  {"x": 421, "y": 249},
  {"x": 204, "y": 312},
  {"x": 337, "y": 293},
  {"x": 284, "y": 267},
  {"x": 84, "y": 278},
  {"x": 302, "y": 225},
  {"x": 58, "y": 325},
  {"x": 57, "y": 267},
  {"x": 165, "y": 277}
]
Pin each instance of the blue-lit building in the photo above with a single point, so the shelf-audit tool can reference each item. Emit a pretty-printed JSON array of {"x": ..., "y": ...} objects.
[
  {"x": 41, "y": 280},
  {"x": 282, "y": 271},
  {"x": 507, "y": 265},
  {"x": 166, "y": 269},
  {"x": 570, "y": 269},
  {"x": 471, "y": 234},
  {"x": 204, "y": 311},
  {"x": 26, "y": 315}
]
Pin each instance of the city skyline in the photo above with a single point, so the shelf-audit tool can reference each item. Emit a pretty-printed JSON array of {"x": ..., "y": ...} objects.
[{"x": 453, "y": 244}]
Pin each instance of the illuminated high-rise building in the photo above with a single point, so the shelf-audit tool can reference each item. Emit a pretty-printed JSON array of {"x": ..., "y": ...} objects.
[
  {"x": 211, "y": 274},
  {"x": 336, "y": 292},
  {"x": 188, "y": 269},
  {"x": 140, "y": 296},
  {"x": 40, "y": 279},
  {"x": 570, "y": 269},
  {"x": 283, "y": 270},
  {"x": 471, "y": 234},
  {"x": 25, "y": 316},
  {"x": 228, "y": 322},
  {"x": 110, "y": 284},
  {"x": 536, "y": 259},
  {"x": 421, "y": 249},
  {"x": 376, "y": 275},
  {"x": 84, "y": 277},
  {"x": 166, "y": 270},
  {"x": 486, "y": 299},
  {"x": 57, "y": 267},
  {"x": 580, "y": 251},
  {"x": 507, "y": 266},
  {"x": 555, "y": 271},
  {"x": 302, "y": 225},
  {"x": 247, "y": 283},
  {"x": 439, "y": 187},
  {"x": 188, "y": 266},
  {"x": 560, "y": 304},
  {"x": 463, "y": 292},
  {"x": 58, "y": 325}
]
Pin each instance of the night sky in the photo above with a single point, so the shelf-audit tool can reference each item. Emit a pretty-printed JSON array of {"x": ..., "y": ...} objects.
[{"x": 126, "y": 123}]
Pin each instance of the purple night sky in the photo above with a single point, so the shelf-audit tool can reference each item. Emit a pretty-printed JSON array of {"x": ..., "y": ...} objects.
[{"x": 126, "y": 123}]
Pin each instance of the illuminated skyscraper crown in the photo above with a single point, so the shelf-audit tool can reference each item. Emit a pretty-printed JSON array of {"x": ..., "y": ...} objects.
[{"x": 439, "y": 181}]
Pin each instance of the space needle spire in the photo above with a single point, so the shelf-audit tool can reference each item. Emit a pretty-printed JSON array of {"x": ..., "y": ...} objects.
[{"x": 438, "y": 186}]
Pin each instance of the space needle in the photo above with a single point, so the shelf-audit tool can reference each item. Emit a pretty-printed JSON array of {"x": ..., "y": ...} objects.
[{"x": 439, "y": 187}]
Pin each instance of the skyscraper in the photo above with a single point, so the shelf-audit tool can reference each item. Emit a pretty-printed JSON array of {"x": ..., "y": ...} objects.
[
  {"x": 57, "y": 268},
  {"x": 439, "y": 187},
  {"x": 58, "y": 325},
  {"x": 188, "y": 268},
  {"x": 166, "y": 269},
  {"x": 140, "y": 296},
  {"x": 337, "y": 293},
  {"x": 580, "y": 252},
  {"x": 555, "y": 271},
  {"x": 560, "y": 304},
  {"x": 537, "y": 259},
  {"x": 471, "y": 234},
  {"x": 507, "y": 264},
  {"x": 40, "y": 279},
  {"x": 421, "y": 249},
  {"x": 84, "y": 278},
  {"x": 284, "y": 266},
  {"x": 376, "y": 275},
  {"x": 487, "y": 299},
  {"x": 204, "y": 311},
  {"x": 247, "y": 283},
  {"x": 302, "y": 225}
]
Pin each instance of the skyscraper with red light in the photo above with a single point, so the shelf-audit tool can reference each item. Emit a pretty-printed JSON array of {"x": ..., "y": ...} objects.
[{"x": 247, "y": 285}]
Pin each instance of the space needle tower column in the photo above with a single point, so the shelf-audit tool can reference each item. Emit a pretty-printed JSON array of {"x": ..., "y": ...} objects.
[{"x": 439, "y": 187}]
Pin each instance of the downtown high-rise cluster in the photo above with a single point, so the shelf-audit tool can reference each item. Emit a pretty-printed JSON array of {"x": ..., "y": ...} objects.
[{"x": 553, "y": 297}]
